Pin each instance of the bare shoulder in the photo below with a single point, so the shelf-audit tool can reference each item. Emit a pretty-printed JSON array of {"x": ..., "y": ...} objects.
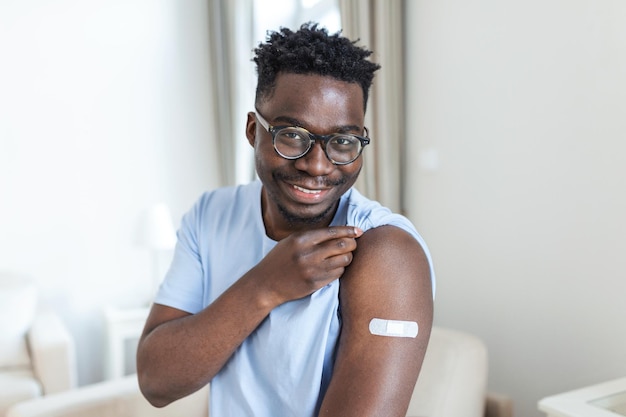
[{"x": 389, "y": 265}]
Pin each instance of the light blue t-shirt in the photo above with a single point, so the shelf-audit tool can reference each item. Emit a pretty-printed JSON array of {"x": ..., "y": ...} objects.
[{"x": 283, "y": 368}]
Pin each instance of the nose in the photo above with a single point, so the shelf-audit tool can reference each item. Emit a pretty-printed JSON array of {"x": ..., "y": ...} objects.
[{"x": 315, "y": 162}]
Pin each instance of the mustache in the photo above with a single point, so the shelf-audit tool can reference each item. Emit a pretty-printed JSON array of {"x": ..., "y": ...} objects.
[{"x": 319, "y": 181}]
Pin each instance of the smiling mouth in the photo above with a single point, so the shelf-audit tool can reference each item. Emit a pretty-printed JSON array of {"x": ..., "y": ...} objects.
[{"x": 306, "y": 190}]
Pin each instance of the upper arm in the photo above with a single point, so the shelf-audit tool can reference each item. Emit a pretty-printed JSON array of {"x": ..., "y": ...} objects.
[{"x": 389, "y": 278}]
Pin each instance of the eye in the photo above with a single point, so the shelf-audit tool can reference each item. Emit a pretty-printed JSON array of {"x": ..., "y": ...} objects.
[
  {"x": 344, "y": 141},
  {"x": 293, "y": 135},
  {"x": 293, "y": 138}
]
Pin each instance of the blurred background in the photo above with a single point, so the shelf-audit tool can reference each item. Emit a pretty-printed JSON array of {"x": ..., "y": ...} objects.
[{"x": 514, "y": 167}]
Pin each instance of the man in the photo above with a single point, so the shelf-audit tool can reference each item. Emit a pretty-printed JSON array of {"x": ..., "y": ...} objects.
[{"x": 295, "y": 295}]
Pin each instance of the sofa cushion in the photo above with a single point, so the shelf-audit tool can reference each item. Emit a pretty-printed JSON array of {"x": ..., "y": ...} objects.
[
  {"x": 17, "y": 386},
  {"x": 18, "y": 303}
]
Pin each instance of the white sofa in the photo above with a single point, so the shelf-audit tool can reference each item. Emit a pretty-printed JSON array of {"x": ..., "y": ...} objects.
[
  {"x": 37, "y": 353},
  {"x": 452, "y": 384}
]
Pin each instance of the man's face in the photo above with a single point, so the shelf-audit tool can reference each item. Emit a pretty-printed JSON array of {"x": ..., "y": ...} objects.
[{"x": 303, "y": 193}]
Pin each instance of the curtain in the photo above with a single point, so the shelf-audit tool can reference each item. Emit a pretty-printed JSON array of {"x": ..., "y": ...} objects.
[
  {"x": 378, "y": 24},
  {"x": 230, "y": 27}
]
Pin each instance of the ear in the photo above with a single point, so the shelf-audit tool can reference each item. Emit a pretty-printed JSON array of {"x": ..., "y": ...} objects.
[{"x": 251, "y": 128}]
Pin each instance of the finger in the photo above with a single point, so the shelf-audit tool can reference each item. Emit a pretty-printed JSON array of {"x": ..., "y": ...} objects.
[
  {"x": 335, "y": 232},
  {"x": 337, "y": 247},
  {"x": 338, "y": 261}
]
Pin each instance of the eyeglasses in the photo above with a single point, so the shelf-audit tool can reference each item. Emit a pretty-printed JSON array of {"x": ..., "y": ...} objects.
[{"x": 293, "y": 142}]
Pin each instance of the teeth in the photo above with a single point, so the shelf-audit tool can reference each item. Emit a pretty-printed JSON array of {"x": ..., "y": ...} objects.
[{"x": 305, "y": 190}]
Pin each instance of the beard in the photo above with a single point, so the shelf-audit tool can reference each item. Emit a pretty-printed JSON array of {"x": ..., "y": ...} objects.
[{"x": 295, "y": 219}]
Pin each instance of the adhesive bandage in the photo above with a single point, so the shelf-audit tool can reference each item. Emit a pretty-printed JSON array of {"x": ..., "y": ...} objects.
[{"x": 393, "y": 328}]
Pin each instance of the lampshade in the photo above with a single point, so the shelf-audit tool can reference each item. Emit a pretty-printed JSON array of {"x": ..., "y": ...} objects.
[{"x": 156, "y": 230}]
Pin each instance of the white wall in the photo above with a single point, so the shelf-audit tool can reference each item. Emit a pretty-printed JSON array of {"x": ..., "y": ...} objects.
[
  {"x": 104, "y": 111},
  {"x": 524, "y": 102}
]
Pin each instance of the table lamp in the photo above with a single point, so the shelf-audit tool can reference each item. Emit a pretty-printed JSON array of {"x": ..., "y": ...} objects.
[{"x": 156, "y": 233}]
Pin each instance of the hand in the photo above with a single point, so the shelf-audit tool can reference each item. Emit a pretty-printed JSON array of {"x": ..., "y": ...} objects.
[{"x": 306, "y": 261}]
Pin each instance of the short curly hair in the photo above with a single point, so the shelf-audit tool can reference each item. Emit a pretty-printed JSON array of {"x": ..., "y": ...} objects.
[{"x": 312, "y": 50}]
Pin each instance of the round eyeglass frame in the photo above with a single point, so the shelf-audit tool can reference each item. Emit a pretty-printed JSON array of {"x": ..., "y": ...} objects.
[{"x": 323, "y": 139}]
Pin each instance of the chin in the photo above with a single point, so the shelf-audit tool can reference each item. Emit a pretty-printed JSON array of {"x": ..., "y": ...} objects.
[{"x": 304, "y": 218}]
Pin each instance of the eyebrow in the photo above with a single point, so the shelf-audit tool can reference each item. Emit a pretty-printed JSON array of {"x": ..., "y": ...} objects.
[{"x": 290, "y": 121}]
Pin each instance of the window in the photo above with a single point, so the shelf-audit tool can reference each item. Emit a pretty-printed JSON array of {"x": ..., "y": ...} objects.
[{"x": 291, "y": 14}]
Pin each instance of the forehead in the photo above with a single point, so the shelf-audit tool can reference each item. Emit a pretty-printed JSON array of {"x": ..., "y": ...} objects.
[{"x": 316, "y": 96}]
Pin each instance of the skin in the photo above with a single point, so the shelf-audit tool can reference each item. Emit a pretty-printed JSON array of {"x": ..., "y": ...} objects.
[{"x": 384, "y": 275}]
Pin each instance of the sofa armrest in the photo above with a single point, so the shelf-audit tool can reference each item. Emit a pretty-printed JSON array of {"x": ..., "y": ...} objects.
[
  {"x": 53, "y": 353},
  {"x": 453, "y": 379},
  {"x": 119, "y": 397}
]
